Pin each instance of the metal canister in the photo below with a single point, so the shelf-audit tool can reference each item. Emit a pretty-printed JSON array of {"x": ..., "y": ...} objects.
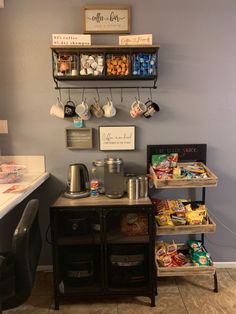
[
  {"x": 133, "y": 188},
  {"x": 143, "y": 186}
]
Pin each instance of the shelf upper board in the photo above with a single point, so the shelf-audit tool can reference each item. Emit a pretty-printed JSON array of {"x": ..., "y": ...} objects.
[{"x": 95, "y": 47}]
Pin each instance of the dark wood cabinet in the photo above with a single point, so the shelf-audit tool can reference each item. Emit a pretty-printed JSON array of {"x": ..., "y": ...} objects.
[{"x": 103, "y": 247}]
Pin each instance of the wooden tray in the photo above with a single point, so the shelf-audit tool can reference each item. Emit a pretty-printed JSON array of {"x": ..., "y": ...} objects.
[
  {"x": 210, "y": 181},
  {"x": 186, "y": 229},
  {"x": 184, "y": 270}
]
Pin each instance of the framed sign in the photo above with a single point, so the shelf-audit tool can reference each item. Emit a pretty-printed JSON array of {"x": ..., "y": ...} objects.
[
  {"x": 117, "y": 137},
  {"x": 106, "y": 19}
]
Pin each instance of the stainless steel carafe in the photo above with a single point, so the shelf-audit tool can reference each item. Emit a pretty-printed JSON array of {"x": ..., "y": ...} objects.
[
  {"x": 78, "y": 181},
  {"x": 114, "y": 177}
]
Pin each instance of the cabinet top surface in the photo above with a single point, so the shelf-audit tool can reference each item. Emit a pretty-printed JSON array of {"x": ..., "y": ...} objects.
[
  {"x": 101, "y": 200},
  {"x": 103, "y": 46}
]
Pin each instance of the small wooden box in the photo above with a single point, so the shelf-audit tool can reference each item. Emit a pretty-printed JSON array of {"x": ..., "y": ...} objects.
[
  {"x": 79, "y": 138},
  {"x": 211, "y": 180}
]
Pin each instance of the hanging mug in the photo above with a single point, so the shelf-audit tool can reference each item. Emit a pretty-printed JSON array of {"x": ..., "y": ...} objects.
[
  {"x": 137, "y": 108},
  {"x": 57, "y": 109},
  {"x": 96, "y": 110},
  {"x": 69, "y": 109},
  {"x": 109, "y": 109},
  {"x": 82, "y": 110},
  {"x": 152, "y": 107}
]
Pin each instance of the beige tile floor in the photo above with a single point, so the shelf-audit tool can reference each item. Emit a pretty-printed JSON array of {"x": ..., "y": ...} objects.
[{"x": 175, "y": 295}]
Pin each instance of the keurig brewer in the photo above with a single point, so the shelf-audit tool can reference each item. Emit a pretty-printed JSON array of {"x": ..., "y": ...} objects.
[{"x": 114, "y": 177}]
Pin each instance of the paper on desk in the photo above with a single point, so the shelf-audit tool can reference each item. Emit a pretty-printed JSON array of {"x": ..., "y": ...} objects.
[{"x": 17, "y": 188}]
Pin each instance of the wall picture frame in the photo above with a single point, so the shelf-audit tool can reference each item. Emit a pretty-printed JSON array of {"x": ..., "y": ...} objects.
[
  {"x": 107, "y": 19},
  {"x": 117, "y": 137}
]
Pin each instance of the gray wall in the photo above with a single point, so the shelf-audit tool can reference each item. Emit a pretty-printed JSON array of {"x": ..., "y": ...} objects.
[{"x": 196, "y": 92}]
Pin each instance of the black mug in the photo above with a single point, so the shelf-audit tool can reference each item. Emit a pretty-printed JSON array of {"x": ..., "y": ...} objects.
[
  {"x": 152, "y": 107},
  {"x": 69, "y": 109}
]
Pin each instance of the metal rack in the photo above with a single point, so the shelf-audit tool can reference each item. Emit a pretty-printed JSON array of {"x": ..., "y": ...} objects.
[
  {"x": 105, "y": 50},
  {"x": 186, "y": 153}
]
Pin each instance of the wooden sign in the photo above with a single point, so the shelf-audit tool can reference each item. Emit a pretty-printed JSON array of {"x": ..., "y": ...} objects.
[
  {"x": 79, "y": 138},
  {"x": 106, "y": 19},
  {"x": 71, "y": 40},
  {"x": 117, "y": 137},
  {"x": 135, "y": 40}
]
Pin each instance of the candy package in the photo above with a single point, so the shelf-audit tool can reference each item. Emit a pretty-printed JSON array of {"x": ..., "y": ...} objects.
[{"x": 164, "y": 161}]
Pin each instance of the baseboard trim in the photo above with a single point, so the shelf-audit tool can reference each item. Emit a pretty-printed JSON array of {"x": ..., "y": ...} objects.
[{"x": 225, "y": 264}]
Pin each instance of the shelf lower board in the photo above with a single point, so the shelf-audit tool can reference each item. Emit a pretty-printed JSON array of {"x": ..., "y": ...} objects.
[
  {"x": 186, "y": 229},
  {"x": 104, "y": 78},
  {"x": 211, "y": 181},
  {"x": 185, "y": 271},
  {"x": 82, "y": 290}
]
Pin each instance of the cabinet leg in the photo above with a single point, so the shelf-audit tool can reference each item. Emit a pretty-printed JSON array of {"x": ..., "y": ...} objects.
[
  {"x": 215, "y": 283},
  {"x": 153, "y": 302},
  {"x": 56, "y": 304}
]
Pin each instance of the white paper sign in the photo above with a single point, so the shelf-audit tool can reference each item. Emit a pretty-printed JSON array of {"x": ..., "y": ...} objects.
[
  {"x": 117, "y": 137},
  {"x": 71, "y": 40},
  {"x": 135, "y": 40}
]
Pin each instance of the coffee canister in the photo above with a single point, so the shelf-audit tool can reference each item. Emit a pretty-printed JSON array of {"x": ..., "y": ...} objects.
[
  {"x": 133, "y": 188},
  {"x": 143, "y": 186}
]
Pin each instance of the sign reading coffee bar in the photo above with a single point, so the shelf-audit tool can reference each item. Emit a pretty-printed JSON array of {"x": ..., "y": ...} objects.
[{"x": 106, "y": 19}]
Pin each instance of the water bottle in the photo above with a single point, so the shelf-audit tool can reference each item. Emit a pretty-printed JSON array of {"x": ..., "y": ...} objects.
[{"x": 94, "y": 184}]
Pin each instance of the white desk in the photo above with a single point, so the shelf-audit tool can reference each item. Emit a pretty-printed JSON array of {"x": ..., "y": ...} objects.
[{"x": 33, "y": 177}]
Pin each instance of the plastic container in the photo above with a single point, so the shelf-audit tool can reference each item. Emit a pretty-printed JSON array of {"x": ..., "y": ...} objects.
[
  {"x": 118, "y": 65},
  {"x": 99, "y": 165},
  {"x": 94, "y": 183}
]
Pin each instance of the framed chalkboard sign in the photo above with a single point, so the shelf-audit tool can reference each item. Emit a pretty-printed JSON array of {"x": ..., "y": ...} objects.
[
  {"x": 106, "y": 19},
  {"x": 117, "y": 137}
]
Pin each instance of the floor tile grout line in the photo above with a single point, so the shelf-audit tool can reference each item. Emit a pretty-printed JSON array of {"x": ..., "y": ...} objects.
[{"x": 181, "y": 296}]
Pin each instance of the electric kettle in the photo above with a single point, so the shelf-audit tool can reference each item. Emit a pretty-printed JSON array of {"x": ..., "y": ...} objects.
[{"x": 77, "y": 181}]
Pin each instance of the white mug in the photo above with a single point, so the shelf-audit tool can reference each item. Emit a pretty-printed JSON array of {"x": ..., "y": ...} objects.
[
  {"x": 82, "y": 110},
  {"x": 109, "y": 109},
  {"x": 57, "y": 110},
  {"x": 137, "y": 108}
]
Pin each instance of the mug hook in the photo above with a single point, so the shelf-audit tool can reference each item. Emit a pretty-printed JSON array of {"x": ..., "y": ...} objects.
[
  {"x": 59, "y": 95},
  {"x": 111, "y": 94},
  {"x": 150, "y": 91},
  {"x": 98, "y": 95},
  {"x": 138, "y": 93},
  {"x": 121, "y": 95},
  {"x": 83, "y": 95}
]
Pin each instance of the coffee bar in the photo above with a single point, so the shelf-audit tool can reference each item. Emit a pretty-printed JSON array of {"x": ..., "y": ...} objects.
[{"x": 118, "y": 148}]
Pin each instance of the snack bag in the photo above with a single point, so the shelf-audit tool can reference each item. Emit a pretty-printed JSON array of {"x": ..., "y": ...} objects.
[
  {"x": 194, "y": 246},
  {"x": 200, "y": 259},
  {"x": 160, "y": 250},
  {"x": 166, "y": 261},
  {"x": 171, "y": 248},
  {"x": 180, "y": 259},
  {"x": 194, "y": 218},
  {"x": 164, "y": 161},
  {"x": 164, "y": 220}
]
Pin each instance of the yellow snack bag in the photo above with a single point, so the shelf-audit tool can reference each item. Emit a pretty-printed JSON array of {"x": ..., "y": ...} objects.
[
  {"x": 164, "y": 220},
  {"x": 193, "y": 218}
]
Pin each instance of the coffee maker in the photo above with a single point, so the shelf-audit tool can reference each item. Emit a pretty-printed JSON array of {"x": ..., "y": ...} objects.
[{"x": 114, "y": 177}]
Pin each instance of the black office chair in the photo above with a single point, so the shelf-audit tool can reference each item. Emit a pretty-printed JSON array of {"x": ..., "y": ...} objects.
[{"x": 18, "y": 267}]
